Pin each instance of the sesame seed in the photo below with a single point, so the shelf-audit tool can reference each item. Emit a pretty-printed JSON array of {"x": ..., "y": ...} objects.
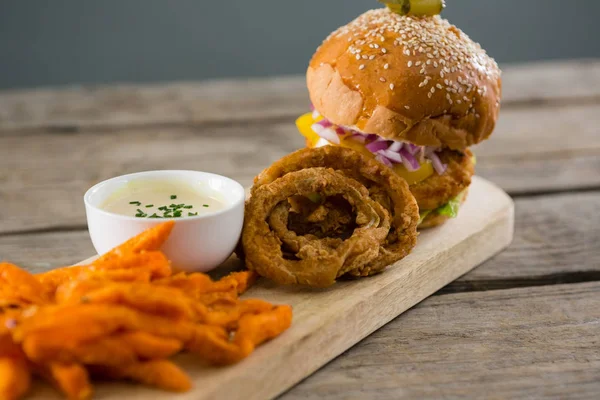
[
  {"x": 365, "y": 57},
  {"x": 423, "y": 83},
  {"x": 410, "y": 64},
  {"x": 407, "y": 107},
  {"x": 439, "y": 86},
  {"x": 432, "y": 90},
  {"x": 358, "y": 56},
  {"x": 362, "y": 66},
  {"x": 458, "y": 102},
  {"x": 386, "y": 66},
  {"x": 392, "y": 86},
  {"x": 418, "y": 63},
  {"x": 428, "y": 62},
  {"x": 382, "y": 79},
  {"x": 371, "y": 57},
  {"x": 383, "y": 51},
  {"x": 429, "y": 94},
  {"x": 376, "y": 45}
]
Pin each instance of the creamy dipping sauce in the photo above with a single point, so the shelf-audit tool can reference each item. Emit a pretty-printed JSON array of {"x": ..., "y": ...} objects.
[{"x": 162, "y": 199}]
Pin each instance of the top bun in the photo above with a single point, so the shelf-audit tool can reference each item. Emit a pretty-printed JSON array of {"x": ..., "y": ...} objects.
[{"x": 420, "y": 80}]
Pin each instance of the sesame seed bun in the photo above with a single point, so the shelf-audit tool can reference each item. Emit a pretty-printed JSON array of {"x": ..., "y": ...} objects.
[{"x": 420, "y": 80}]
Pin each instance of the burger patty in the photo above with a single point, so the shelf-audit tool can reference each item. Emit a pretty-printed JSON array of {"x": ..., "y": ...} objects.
[{"x": 438, "y": 190}]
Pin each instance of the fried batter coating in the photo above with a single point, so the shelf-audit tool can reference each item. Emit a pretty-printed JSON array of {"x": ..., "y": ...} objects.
[
  {"x": 318, "y": 261},
  {"x": 437, "y": 190},
  {"x": 278, "y": 226}
]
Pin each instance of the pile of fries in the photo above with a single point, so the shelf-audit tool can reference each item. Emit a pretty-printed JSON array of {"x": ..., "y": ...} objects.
[{"x": 122, "y": 317}]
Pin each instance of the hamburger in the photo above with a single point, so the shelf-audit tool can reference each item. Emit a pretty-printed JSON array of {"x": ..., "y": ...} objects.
[{"x": 414, "y": 93}]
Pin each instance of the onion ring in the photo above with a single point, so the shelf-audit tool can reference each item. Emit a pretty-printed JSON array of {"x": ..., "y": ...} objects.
[{"x": 385, "y": 216}]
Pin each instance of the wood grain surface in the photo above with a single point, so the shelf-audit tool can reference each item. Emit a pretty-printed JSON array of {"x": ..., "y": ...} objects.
[
  {"x": 39, "y": 166},
  {"x": 329, "y": 321},
  {"x": 508, "y": 344},
  {"x": 124, "y": 106},
  {"x": 55, "y": 143}
]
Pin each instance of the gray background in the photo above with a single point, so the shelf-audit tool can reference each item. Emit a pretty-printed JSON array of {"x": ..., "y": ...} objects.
[{"x": 61, "y": 42}]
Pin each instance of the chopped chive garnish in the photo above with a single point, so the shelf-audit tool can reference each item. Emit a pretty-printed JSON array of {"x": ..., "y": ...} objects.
[
  {"x": 180, "y": 205},
  {"x": 163, "y": 208},
  {"x": 173, "y": 205},
  {"x": 154, "y": 216},
  {"x": 204, "y": 205},
  {"x": 136, "y": 203},
  {"x": 188, "y": 207},
  {"x": 149, "y": 205},
  {"x": 192, "y": 214},
  {"x": 173, "y": 197}
]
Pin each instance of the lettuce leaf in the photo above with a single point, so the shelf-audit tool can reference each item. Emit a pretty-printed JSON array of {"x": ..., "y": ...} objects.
[
  {"x": 422, "y": 215},
  {"x": 450, "y": 209}
]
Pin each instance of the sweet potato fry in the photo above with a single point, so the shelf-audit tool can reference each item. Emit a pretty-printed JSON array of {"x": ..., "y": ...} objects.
[
  {"x": 64, "y": 328},
  {"x": 129, "y": 268},
  {"x": 122, "y": 316},
  {"x": 26, "y": 287},
  {"x": 15, "y": 378},
  {"x": 161, "y": 374},
  {"x": 148, "y": 347},
  {"x": 238, "y": 281},
  {"x": 53, "y": 279},
  {"x": 74, "y": 323},
  {"x": 255, "y": 329},
  {"x": 191, "y": 285},
  {"x": 144, "y": 297},
  {"x": 149, "y": 240},
  {"x": 211, "y": 343},
  {"x": 71, "y": 379},
  {"x": 71, "y": 292},
  {"x": 155, "y": 262}
]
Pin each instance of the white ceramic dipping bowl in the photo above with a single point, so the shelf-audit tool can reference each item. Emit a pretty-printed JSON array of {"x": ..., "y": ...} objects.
[{"x": 198, "y": 243}]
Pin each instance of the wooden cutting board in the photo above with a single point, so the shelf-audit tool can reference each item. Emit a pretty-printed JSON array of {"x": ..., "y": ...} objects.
[{"x": 329, "y": 321}]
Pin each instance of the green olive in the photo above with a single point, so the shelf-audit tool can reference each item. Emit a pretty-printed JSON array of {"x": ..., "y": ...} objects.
[{"x": 415, "y": 7}]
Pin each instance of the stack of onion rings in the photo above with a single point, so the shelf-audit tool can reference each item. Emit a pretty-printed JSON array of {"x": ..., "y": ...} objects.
[{"x": 360, "y": 219}]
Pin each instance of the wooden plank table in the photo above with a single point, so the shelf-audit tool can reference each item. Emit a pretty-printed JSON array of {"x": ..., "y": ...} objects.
[{"x": 524, "y": 324}]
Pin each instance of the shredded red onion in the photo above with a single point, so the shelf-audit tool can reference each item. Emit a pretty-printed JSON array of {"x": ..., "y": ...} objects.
[
  {"x": 329, "y": 135},
  {"x": 391, "y": 155},
  {"x": 437, "y": 163},
  {"x": 374, "y": 147},
  {"x": 383, "y": 160},
  {"x": 386, "y": 151},
  {"x": 396, "y": 146},
  {"x": 409, "y": 161},
  {"x": 325, "y": 123},
  {"x": 412, "y": 148}
]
